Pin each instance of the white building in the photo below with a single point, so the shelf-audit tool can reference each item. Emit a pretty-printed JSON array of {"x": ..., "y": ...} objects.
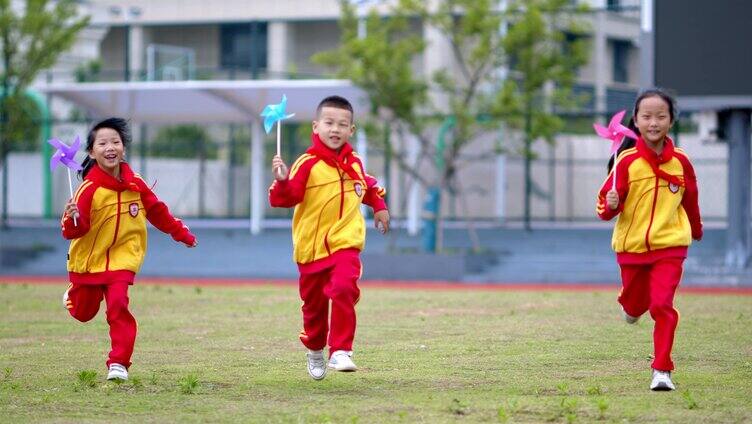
[
  {"x": 238, "y": 39},
  {"x": 138, "y": 40}
]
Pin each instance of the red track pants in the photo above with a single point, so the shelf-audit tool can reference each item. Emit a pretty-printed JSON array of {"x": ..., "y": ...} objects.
[
  {"x": 651, "y": 287},
  {"x": 83, "y": 305},
  {"x": 336, "y": 282}
]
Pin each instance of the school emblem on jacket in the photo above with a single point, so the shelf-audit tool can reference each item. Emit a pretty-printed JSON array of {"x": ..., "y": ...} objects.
[
  {"x": 133, "y": 209},
  {"x": 673, "y": 187},
  {"x": 358, "y": 189}
]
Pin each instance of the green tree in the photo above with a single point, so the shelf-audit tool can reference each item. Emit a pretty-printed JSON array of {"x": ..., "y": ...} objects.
[
  {"x": 89, "y": 71},
  {"x": 183, "y": 141},
  {"x": 543, "y": 65},
  {"x": 451, "y": 108},
  {"x": 190, "y": 142},
  {"x": 32, "y": 38},
  {"x": 22, "y": 129},
  {"x": 239, "y": 145}
]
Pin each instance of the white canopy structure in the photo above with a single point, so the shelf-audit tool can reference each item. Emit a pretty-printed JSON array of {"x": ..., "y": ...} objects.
[
  {"x": 209, "y": 102},
  {"x": 202, "y": 101}
]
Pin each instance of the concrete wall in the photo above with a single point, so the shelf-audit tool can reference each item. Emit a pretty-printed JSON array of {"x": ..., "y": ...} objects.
[
  {"x": 175, "y": 182},
  {"x": 148, "y": 12},
  {"x": 566, "y": 189},
  {"x": 113, "y": 49},
  {"x": 203, "y": 39},
  {"x": 310, "y": 38},
  {"x": 569, "y": 187}
]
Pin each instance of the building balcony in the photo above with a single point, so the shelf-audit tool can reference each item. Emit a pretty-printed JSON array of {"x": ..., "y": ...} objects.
[{"x": 176, "y": 73}]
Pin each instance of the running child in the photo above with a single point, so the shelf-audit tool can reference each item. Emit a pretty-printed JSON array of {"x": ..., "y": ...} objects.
[
  {"x": 327, "y": 185},
  {"x": 108, "y": 238},
  {"x": 656, "y": 201}
]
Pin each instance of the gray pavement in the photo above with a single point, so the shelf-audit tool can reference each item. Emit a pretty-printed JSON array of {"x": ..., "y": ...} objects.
[{"x": 548, "y": 254}]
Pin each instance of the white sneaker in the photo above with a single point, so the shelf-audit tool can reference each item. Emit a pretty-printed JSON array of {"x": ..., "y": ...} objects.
[
  {"x": 662, "y": 381},
  {"x": 66, "y": 302},
  {"x": 341, "y": 360},
  {"x": 629, "y": 318},
  {"x": 316, "y": 364},
  {"x": 117, "y": 372}
]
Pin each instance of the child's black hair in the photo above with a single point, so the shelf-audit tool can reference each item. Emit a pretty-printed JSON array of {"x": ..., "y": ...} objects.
[
  {"x": 120, "y": 126},
  {"x": 651, "y": 92},
  {"x": 335, "y": 101}
]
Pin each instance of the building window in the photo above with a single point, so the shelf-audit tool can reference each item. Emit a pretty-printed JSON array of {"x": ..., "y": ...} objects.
[
  {"x": 614, "y": 5},
  {"x": 244, "y": 46},
  {"x": 621, "y": 60},
  {"x": 571, "y": 39}
]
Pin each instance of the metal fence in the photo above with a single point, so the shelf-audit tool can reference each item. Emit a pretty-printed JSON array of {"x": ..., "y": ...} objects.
[{"x": 217, "y": 184}]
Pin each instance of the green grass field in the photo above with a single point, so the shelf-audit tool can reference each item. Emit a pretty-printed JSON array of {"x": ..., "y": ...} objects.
[{"x": 231, "y": 354}]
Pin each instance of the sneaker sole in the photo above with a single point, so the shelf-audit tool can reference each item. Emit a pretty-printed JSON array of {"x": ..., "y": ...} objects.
[
  {"x": 317, "y": 378},
  {"x": 661, "y": 388},
  {"x": 343, "y": 369}
]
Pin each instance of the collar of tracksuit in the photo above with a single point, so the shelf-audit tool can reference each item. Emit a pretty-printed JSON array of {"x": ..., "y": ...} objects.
[
  {"x": 655, "y": 159},
  {"x": 343, "y": 159},
  {"x": 103, "y": 179}
]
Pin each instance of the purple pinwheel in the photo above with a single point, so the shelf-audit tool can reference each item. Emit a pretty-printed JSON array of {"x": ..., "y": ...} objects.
[
  {"x": 616, "y": 133},
  {"x": 64, "y": 154}
]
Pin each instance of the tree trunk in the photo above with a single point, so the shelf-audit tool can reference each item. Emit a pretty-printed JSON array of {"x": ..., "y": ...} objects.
[
  {"x": 528, "y": 154},
  {"x": 4, "y": 143},
  {"x": 201, "y": 178}
]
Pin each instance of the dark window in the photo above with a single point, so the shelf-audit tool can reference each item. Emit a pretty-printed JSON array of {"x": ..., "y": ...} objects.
[
  {"x": 571, "y": 38},
  {"x": 614, "y": 5},
  {"x": 617, "y": 99},
  {"x": 621, "y": 61},
  {"x": 244, "y": 46}
]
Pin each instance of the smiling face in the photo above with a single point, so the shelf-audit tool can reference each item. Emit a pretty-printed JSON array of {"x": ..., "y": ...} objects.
[
  {"x": 653, "y": 119},
  {"x": 108, "y": 150},
  {"x": 334, "y": 126}
]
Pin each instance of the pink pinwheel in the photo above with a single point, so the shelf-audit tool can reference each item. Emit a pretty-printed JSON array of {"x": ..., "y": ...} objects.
[
  {"x": 65, "y": 155},
  {"x": 616, "y": 133}
]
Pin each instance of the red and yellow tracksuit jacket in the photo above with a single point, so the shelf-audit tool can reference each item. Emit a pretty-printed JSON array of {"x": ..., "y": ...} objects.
[
  {"x": 658, "y": 210},
  {"x": 109, "y": 241},
  {"x": 326, "y": 188}
]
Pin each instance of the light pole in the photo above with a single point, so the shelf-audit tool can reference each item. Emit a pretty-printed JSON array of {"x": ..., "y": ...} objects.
[
  {"x": 501, "y": 158},
  {"x": 128, "y": 14},
  {"x": 361, "y": 142}
]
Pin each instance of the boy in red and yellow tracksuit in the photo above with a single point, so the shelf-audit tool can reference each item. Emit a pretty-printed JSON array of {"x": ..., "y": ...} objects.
[
  {"x": 658, "y": 216},
  {"x": 108, "y": 240},
  {"x": 327, "y": 185}
]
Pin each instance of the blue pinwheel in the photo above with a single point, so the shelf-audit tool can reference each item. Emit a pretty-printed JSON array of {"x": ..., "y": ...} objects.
[
  {"x": 65, "y": 155},
  {"x": 275, "y": 114}
]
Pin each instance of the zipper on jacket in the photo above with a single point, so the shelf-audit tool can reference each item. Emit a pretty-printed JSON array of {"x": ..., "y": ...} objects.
[
  {"x": 341, "y": 209},
  {"x": 326, "y": 245},
  {"x": 652, "y": 214},
  {"x": 341, "y": 194},
  {"x": 114, "y": 237}
]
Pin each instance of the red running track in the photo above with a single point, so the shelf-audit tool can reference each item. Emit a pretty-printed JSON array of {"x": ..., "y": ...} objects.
[{"x": 403, "y": 285}]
